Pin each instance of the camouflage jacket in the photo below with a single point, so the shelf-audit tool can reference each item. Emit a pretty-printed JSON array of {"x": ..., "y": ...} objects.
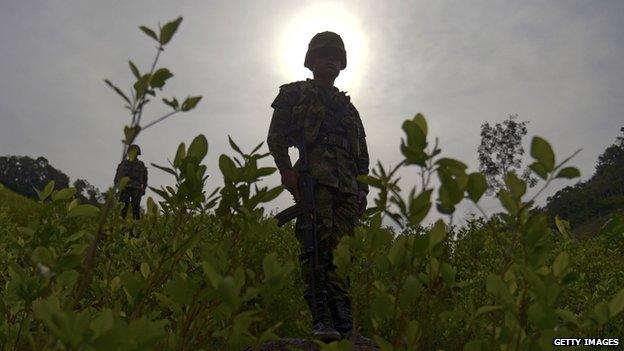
[
  {"x": 332, "y": 129},
  {"x": 135, "y": 170}
]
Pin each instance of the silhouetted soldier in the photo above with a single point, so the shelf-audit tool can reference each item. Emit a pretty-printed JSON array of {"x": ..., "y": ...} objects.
[
  {"x": 336, "y": 151},
  {"x": 134, "y": 169}
]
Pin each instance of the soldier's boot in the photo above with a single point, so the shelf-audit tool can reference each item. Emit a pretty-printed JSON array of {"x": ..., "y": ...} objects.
[
  {"x": 324, "y": 331},
  {"x": 322, "y": 326},
  {"x": 343, "y": 320}
]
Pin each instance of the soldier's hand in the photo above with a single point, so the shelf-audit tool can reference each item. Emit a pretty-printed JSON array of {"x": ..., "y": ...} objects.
[
  {"x": 361, "y": 202},
  {"x": 290, "y": 181}
]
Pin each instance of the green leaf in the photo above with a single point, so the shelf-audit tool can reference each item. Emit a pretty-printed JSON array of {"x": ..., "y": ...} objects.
[
  {"x": 487, "y": 309},
  {"x": 165, "y": 169},
  {"x": 539, "y": 169},
  {"x": 159, "y": 77},
  {"x": 370, "y": 180},
  {"x": 420, "y": 206},
  {"x": 415, "y": 137},
  {"x": 265, "y": 171},
  {"x": 228, "y": 168},
  {"x": 42, "y": 255},
  {"x": 449, "y": 273},
  {"x": 379, "y": 306},
  {"x": 543, "y": 153},
  {"x": 145, "y": 269},
  {"x": 130, "y": 133},
  {"x": 134, "y": 69},
  {"x": 140, "y": 86},
  {"x": 25, "y": 231},
  {"x": 569, "y": 173},
  {"x": 497, "y": 287},
  {"x": 77, "y": 235},
  {"x": 413, "y": 333},
  {"x": 211, "y": 273},
  {"x": 272, "y": 194},
  {"x": 85, "y": 210},
  {"x": 567, "y": 316},
  {"x": 396, "y": 253},
  {"x": 168, "y": 30},
  {"x": 132, "y": 283},
  {"x": 616, "y": 305},
  {"x": 123, "y": 182},
  {"x": 437, "y": 234},
  {"x": 149, "y": 32},
  {"x": 180, "y": 155},
  {"x": 453, "y": 182},
  {"x": 198, "y": 148},
  {"x": 411, "y": 290},
  {"x": 536, "y": 228},
  {"x": 561, "y": 264},
  {"x": 563, "y": 226},
  {"x": 234, "y": 146},
  {"x": 421, "y": 122},
  {"x": 516, "y": 186},
  {"x": 475, "y": 345},
  {"x": 543, "y": 316},
  {"x": 173, "y": 103},
  {"x": 508, "y": 202},
  {"x": 117, "y": 90},
  {"x": 601, "y": 312},
  {"x": 190, "y": 103},
  {"x": 451, "y": 163},
  {"x": 102, "y": 322},
  {"x": 47, "y": 191},
  {"x": 64, "y": 194},
  {"x": 383, "y": 344},
  {"x": 477, "y": 185}
]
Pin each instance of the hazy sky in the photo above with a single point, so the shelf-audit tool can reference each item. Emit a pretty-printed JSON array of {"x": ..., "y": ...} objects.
[{"x": 558, "y": 64}]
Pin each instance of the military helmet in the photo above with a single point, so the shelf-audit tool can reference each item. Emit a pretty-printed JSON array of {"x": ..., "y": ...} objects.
[
  {"x": 135, "y": 147},
  {"x": 325, "y": 40}
]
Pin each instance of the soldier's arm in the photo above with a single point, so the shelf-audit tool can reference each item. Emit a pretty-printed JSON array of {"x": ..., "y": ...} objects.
[
  {"x": 144, "y": 178},
  {"x": 363, "y": 160},
  {"x": 277, "y": 140}
]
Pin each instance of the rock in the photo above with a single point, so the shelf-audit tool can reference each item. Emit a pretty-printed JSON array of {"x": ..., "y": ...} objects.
[{"x": 304, "y": 345}]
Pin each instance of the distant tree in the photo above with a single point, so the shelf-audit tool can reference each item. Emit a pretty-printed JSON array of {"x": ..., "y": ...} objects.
[
  {"x": 501, "y": 151},
  {"x": 88, "y": 193},
  {"x": 602, "y": 194},
  {"x": 23, "y": 174}
]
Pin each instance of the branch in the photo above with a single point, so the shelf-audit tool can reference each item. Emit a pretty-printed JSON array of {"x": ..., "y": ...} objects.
[{"x": 160, "y": 119}]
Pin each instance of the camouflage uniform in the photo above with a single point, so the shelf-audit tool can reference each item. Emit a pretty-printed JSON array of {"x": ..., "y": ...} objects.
[
  {"x": 337, "y": 154},
  {"x": 135, "y": 189}
]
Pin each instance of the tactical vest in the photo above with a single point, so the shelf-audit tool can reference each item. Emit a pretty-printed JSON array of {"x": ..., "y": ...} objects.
[
  {"x": 327, "y": 120},
  {"x": 135, "y": 170}
]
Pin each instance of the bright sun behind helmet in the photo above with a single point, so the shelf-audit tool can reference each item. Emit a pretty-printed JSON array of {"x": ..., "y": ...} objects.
[{"x": 326, "y": 40}]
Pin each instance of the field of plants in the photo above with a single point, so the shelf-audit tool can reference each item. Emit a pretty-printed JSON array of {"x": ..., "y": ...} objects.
[{"x": 208, "y": 269}]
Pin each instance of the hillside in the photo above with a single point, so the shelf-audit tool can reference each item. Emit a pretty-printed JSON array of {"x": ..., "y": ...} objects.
[{"x": 18, "y": 207}]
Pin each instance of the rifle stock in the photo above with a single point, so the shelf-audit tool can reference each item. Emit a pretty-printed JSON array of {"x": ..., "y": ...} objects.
[{"x": 289, "y": 214}]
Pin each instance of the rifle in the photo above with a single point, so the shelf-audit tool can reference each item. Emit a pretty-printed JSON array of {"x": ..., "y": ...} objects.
[{"x": 304, "y": 210}]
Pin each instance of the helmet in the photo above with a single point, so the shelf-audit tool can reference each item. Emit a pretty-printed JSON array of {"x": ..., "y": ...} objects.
[
  {"x": 326, "y": 40},
  {"x": 135, "y": 147}
]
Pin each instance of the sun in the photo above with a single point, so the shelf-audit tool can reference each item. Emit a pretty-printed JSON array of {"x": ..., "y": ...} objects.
[{"x": 319, "y": 18}]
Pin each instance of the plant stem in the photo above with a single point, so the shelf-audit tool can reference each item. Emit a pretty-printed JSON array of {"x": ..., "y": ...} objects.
[{"x": 159, "y": 119}]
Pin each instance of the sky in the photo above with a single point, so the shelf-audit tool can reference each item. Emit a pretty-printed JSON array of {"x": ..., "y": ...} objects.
[{"x": 557, "y": 64}]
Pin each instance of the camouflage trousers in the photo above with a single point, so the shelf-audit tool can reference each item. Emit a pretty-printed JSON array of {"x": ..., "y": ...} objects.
[
  {"x": 336, "y": 215},
  {"x": 131, "y": 196}
]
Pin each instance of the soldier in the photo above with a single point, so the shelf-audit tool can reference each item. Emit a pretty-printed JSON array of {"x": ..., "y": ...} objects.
[
  {"x": 135, "y": 188},
  {"x": 336, "y": 153}
]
